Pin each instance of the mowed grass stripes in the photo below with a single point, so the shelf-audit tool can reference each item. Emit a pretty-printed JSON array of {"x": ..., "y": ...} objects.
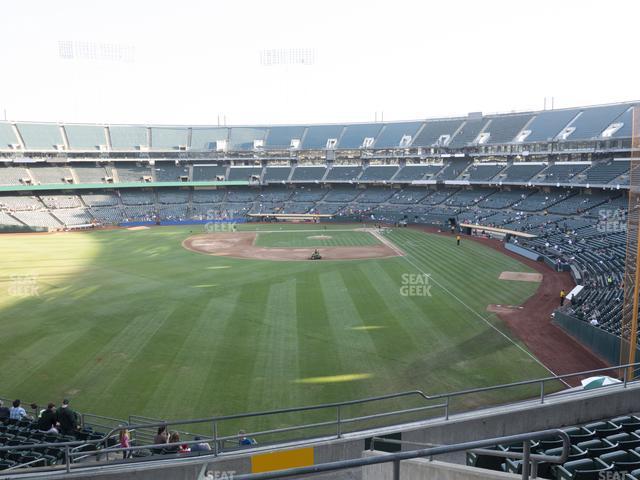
[{"x": 129, "y": 322}]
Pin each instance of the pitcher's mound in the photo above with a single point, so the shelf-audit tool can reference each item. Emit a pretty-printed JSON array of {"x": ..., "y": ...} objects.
[{"x": 521, "y": 276}]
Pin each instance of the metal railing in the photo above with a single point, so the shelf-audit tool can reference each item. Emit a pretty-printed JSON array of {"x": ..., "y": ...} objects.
[
  {"x": 529, "y": 460},
  {"x": 337, "y": 426}
]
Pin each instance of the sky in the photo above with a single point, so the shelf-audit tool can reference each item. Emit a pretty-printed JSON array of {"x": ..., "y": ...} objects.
[{"x": 198, "y": 62}]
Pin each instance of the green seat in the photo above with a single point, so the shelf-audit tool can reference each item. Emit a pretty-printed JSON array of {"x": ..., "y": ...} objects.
[{"x": 584, "y": 469}]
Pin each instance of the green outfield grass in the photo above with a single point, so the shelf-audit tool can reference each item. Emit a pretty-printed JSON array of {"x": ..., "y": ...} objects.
[{"x": 130, "y": 322}]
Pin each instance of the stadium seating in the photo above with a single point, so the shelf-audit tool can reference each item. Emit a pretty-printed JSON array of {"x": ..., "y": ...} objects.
[
  {"x": 169, "y": 138},
  {"x": 51, "y": 175},
  {"x": 354, "y": 136},
  {"x": 468, "y": 133},
  {"x": 131, "y": 172},
  {"x": 281, "y": 137},
  {"x": 276, "y": 174},
  {"x": 244, "y": 138},
  {"x": 206, "y": 139},
  {"x": 317, "y": 136},
  {"x": 86, "y": 137},
  {"x": 169, "y": 172},
  {"x": 504, "y": 129},
  {"x": 341, "y": 195},
  {"x": 89, "y": 173},
  {"x": 479, "y": 171},
  {"x": 100, "y": 200},
  {"x": 520, "y": 172},
  {"x": 409, "y": 173},
  {"x": 208, "y": 173},
  {"x": 243, "y": 173},
  {"x": 136, "y": 197},
  {"x": 343, "y": 173},
  {"x": 593, "y": 121},
  {"x": 452, "y": 169},
  {"x": 376, "y": 173},
  {"x": 61, "y": 201},
  {"x": 609, "y": 448},
  {"x": 603, "y": 173},
  {"x": 173, "y": 196},
  {"x": 392, "y": 134},
  {"x": 547, "y": 125},
  {"x": 560, "y": 172},
  {"x": 434, "y": 131},
  {"x": 308, "y": 174},
  {"x": 14, "y": 176}
]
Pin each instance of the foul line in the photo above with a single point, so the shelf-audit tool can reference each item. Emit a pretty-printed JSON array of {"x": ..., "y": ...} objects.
[{"x": 406, "y": 257}]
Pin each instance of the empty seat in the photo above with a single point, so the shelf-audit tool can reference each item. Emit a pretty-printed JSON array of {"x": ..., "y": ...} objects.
[
  {"x": 604, "y": 429},
  {"x": 584, "y": 469},
  {"x": 622, "y": 460},
  {"x": 598, "y": 447},
  {"x": 627, "y": 441},
  {"x": 628, "y": 423}
]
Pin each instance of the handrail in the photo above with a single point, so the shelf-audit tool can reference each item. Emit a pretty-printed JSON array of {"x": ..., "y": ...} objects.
[
  {"x": 339, "y": 421},
  {"x": 396, "y": 458}
]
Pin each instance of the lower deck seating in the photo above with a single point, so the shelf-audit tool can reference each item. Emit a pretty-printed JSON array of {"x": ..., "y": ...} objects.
[{"x": 609, "y": 448}]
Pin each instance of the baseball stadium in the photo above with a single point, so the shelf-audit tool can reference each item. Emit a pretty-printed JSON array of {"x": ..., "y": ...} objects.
[{"x": 450, "y": 297}]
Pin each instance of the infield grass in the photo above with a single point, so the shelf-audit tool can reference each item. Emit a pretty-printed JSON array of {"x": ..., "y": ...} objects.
[{"x": 130, "y": 322}]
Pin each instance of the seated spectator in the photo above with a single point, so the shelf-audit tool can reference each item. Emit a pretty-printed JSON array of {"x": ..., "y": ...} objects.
[
  {"x": 200, "y": 447},
  {"x": 244, "y": 440},
  {"x": 159, "y": 438},
  {"x": 67, "y": 418},
  {"x": 48, "y": 419},
  {"x": 175, "y": 438},
  {"x": 4, "y": 411},
  {"x": 16, "y": 412}
]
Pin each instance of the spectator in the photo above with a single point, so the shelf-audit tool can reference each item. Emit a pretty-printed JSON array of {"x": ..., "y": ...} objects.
[
  {"x": 4, "y": 411},
  {"x": 125, "y": 442},
  {"x": 200, "y": 447},
  {"x": 175, "y": 438},
  {"x": 160, "y": 438},
  {"x": 16, "y": 412},
  {"x": 244, "y": 440},
  {"x": 67, "y": 418},
  {"x": 48, "y": 419}
]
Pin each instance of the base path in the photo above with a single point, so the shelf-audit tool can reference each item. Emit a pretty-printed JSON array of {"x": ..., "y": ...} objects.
[
  {"x": 242, "y": 245},
  {"x": 532, "y": 324}
]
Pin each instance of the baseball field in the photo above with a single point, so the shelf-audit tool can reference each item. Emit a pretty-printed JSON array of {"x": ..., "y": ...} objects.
[{"x": 157, "y": 322}]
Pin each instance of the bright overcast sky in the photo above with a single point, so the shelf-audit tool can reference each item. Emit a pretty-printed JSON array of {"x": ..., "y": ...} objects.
[{"x": 192, "y": 61}]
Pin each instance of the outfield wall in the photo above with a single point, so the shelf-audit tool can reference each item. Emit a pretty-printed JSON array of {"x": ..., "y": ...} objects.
[{"x": 604, "y": 344}]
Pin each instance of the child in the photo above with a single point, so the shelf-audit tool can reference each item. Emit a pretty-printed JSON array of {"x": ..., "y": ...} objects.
[{"x": 125, "y": 443}]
